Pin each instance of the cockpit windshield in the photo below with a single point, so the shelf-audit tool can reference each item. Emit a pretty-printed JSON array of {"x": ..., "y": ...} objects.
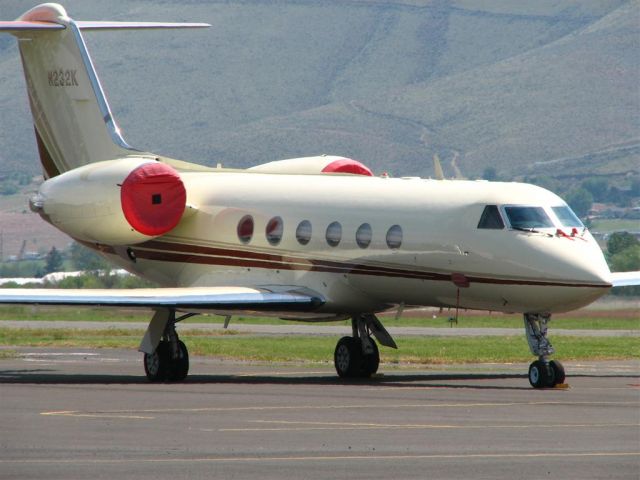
[
  {"x": 528, "y": 217},
  {"x": 491, "y": 219},
  {"x": 566, "y": 217}
]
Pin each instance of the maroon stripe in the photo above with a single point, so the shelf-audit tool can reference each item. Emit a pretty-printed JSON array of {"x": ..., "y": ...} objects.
[
  {"x": 211, "y": 256},
  {"x": 324, "y": 265},
  {"x": 47, "y": 162},
  {"x": 100, "y": 247}
]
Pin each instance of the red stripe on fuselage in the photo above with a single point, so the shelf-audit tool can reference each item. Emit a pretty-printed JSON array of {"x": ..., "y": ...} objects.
[{"x": 196, "y": 254}]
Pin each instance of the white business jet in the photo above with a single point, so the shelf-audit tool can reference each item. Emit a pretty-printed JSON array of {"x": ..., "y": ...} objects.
[{"x": 317, "y": 238}]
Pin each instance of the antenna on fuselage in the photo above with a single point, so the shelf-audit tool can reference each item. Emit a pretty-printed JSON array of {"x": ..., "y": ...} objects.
[
  {"x": 437, "y": 168},
  {"x": 456, "y": 169}
]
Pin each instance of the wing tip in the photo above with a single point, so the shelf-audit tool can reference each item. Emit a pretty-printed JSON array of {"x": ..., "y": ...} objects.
[{"x": 625, "y": 279}]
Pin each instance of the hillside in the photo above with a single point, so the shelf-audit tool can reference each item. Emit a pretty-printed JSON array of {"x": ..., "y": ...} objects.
[{"x": 511, "y": 84}]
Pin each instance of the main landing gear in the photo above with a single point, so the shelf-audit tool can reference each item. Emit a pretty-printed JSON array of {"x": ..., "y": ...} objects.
[
  {"x": 358, "y": 356},
  {"x": 170, "y": 359},
  {"x": 542, "y": 373}
]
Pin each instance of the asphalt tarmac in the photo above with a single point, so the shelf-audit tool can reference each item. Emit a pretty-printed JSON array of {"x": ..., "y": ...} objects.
[{"x": 82, "y": 413}]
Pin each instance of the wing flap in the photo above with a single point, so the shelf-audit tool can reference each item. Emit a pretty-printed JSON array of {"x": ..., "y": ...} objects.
[{"x": 196, "y": 298}]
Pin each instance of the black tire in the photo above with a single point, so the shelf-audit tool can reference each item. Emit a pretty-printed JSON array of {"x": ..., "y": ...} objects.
[
  {"x": 347, "y": 357},
  {"x": 156, "y": 364},
  {"x": 539, "y": 375},
  {"x": 371, "y": 361},
  {"x": 559, "y": 375},
  {"x": 179, "y": 367}
]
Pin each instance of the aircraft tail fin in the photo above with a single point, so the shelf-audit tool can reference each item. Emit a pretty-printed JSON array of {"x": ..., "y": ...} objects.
[{"x": 72, "y": 119}]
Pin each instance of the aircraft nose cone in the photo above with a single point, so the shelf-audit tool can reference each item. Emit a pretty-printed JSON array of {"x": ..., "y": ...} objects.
[{"x": 587, "y": 264}]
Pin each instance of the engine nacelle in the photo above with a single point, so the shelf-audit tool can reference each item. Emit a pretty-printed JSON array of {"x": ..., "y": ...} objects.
[
  {"x": 115, "y": 202},
  {"x": 314, "y": 166}
]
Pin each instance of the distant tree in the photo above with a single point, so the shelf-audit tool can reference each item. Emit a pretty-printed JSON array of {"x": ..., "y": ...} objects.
[
  {"x": 580, "y": 200},
  {"x": 620, "y": 197},
  {"x": 620, "y": 241},
  {"x": 635, "y": 187},
  {"x": 628, "y": 260},
  {"x": 21, "y": 178},
  {"x": 545, "y": 181},
  {"x": 597, "y": 187},
  {"x": 54, "y": 261},
  {"x": 83, "y": 258},
  {"x": 623, "y": 255},
  {"x": 102, "y": 280},
  {"x": 8, "y": 187},
  {"x": 82, "y": 281},
  {"x": 490, "y": 173}
]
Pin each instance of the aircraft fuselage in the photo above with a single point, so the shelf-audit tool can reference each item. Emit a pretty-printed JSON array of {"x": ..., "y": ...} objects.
[{"x": 440, "y": 258}]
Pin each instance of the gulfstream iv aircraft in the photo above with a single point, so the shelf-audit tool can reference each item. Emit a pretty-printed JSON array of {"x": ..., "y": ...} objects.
[{"x": 317, "y": 238}]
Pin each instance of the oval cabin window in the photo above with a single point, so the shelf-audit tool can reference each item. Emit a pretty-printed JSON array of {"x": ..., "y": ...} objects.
[
  {"x": 245, "y": 229},
  {"x": 274, "y": 230},
  {"x": 364, "y": 235},
  {"x": 394, "y": 236},
  {"x": 303, "y": 232},
  {"x": 334, "y": 234}
]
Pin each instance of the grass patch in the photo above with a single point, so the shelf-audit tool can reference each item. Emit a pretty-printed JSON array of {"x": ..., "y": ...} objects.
[
  {"x": 607, "y": 225},
  {"x": 72, "y": 314},
  {"x": 107, "y": 338},
  {"x": 316, "y": 349},
  {"x": 604, "y": 321},
  {"x": 4, "y": 354},
  {"x": 418, "y": 350},
  {"x": 622, "y": 319}
]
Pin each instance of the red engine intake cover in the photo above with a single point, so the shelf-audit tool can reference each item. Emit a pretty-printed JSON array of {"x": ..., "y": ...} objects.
[
  {"x": 347, "y": 165},
  {"x": 153, "y": 198}
]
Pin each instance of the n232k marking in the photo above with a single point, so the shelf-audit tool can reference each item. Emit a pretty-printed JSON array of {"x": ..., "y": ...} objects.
[{"x": 62, "y": 78}]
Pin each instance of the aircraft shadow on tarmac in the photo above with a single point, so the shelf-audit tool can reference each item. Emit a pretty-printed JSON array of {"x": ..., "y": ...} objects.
[{"x": 490, "y": 381}]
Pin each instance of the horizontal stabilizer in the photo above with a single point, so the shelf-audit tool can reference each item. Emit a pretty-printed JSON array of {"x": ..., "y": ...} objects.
[
  {"x": 85, "y": 25},
  {"x": 21, "y": 26},
  {"x": 625, "y": 279},
  {"x": 196, "y": 298}
]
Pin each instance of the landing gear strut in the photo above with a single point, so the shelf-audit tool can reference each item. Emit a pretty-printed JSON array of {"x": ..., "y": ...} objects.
[
  {"x": 358, "y": 356},
  {"x": 542, "y": 373},
  {"x": 170, "y": 360}
]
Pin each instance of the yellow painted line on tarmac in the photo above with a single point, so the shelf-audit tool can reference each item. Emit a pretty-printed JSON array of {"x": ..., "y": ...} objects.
[
  {"x": 304, "y": 426},
  {"x": 316, "y": 458},
  {"x": 329, "y": 407},
  {"x": 275, "y": 408},
  {"x": 560, "y": 387},
  {"x": 279, "y": 374},
  {"x": 72, "y": 413}
]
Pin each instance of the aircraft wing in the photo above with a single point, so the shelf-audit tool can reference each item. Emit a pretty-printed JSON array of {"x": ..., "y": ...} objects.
[
  {"x": 290, "y": 299},
  {"x": 625, "y": 279}
]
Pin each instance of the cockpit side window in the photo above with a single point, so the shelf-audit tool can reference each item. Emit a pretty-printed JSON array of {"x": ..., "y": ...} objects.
[
  {"x": 567, "y": 217},
  {"x": 491, "y": 218},
  {"x": 528, "y": 217}
]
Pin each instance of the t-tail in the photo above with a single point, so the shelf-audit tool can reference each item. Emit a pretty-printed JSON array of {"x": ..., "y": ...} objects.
[{"x": 72, "y": 119}]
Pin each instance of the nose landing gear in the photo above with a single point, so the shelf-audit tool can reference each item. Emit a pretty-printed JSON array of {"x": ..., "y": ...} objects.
[
  {"x": 546, "y": 374},
  {"x": 542, "y": 373}
]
